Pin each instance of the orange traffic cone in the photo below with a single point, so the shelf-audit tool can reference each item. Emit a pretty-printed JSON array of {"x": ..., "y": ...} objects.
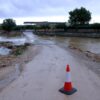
[{"x": 68, "y": 89}]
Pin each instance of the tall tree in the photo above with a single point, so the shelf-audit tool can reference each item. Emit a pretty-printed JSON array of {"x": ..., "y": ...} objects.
[
  {"x": 79, "y": 16},
  {"x": 8, "y": 24}
]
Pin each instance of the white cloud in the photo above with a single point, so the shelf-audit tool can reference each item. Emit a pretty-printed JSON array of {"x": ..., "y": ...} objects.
[{"x": 45, "y": 9}]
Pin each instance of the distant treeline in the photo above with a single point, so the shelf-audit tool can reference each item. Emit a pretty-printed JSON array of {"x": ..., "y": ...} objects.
[
  {"x": 58, "y": 26},
  {"x": 86, "y": 26}
]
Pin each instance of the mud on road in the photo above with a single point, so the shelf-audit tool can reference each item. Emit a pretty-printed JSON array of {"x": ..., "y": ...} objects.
[{"x": 43, "y": 76}]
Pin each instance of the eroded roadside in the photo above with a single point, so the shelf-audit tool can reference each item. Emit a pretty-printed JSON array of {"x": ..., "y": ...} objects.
[
  {"x": 91, "y": 60},
  {"x": 12, "y": 66}
]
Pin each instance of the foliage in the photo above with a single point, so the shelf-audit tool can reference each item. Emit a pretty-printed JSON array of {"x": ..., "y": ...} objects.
[
  {"x": 79, "y": 16},
  {"x": 95, "y": 26},
  {"x": 60, "y": 26},
  {"x": 19, "y": 50},
  {"x": 85, "y": 26},
  {"x": 44, "y": 27},
  {"x": 8, "y": 24},
  {"x": 24, "y": 27}
]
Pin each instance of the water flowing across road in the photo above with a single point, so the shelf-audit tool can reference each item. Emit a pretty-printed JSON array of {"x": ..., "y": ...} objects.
[
  {"x": 85, "y": 44},
  {"x": 45, "y": 74},
  {"x": 17, "y": 41}
]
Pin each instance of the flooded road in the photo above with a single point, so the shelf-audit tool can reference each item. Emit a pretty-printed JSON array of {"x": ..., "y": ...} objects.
[
  {"x": 45, "y": 74},
  {"x": 85, "y": 44},
  {"x": 27, "y": 37}
]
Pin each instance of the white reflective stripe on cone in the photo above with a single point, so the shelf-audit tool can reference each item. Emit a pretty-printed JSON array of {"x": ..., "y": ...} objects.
[{"x": 68, "y": 77}]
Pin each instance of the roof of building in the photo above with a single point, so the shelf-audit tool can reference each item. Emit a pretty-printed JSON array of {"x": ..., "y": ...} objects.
[{"x": 44, "y": 22}]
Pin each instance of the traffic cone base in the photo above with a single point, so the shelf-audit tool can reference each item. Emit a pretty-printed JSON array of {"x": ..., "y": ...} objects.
[{"x": 62, "y": 90}]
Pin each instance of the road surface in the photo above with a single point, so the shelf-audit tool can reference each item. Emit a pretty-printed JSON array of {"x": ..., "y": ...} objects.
[{"x": 45, "y": 75}]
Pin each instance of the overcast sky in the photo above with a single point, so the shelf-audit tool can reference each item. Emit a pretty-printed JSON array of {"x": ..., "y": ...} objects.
[{"x": 45, "y": 10}]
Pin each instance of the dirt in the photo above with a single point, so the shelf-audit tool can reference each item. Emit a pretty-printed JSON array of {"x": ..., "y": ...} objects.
[
  {"x": 89, "y": 54},
  {"x": 11, "y": 66},
  {"x": 44, "y": 75}
]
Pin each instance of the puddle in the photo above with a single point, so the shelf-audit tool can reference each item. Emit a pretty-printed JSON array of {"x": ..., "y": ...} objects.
[{"x": 4, "y": 51}]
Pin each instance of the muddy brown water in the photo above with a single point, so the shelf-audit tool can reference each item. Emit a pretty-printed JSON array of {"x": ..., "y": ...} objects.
[{"x": 85, "y": 44}]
